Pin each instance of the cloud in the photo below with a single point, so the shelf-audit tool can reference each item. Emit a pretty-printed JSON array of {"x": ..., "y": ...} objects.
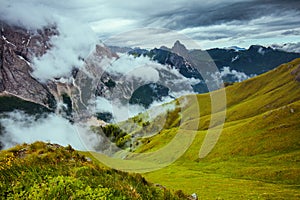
[
  {"x": 74, "y": 41},
  {"x": 220, "y": 12},
  {"x": 30, "y": 14},
  {"x": 291, "y": 32},
  {"x": 290, "y": 47},
  {"x": 248, "y": 22},
  {"x": 103, "y": 105},
  {"x": 139, "y": 68},
  {"x": 232, "y": 75},
  {"x": 130, "y": 73},
  {"x": 20, "y": 128},
  {"x": 120, "y": 111},
  {"x": 145, "y": 71}
]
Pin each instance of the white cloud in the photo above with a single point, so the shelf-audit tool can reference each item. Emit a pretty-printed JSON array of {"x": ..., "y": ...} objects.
[
  {"x": 140, "y": 68},
  {"x": 226, "y": 71},
  {"x": 20, "y": 128},
  {"x": 103, "y": 105},
  {"x": 290, "y": 47},
  {"x": 144, "y": 71},
  {"x": 29, "y": 14},
  {"x": 130, "y": 73},
  {"x": 74, "y": 41}
]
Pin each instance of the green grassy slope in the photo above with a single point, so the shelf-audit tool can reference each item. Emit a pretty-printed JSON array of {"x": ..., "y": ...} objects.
[
  {"x": 49, "y": 171},
  {"x": 258, "y": 153}
]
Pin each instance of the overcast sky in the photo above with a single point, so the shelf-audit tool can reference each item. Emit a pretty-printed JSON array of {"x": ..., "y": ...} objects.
[{"x": 213, "y": 23}]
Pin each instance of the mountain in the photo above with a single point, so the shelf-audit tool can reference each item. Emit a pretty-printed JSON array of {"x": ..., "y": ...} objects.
[
  {"x": 22, "y": 91},
  {"x": 256, "y": 155},
  {"x": 253, "y": 61},
  {"x": 18, "y": 47}
]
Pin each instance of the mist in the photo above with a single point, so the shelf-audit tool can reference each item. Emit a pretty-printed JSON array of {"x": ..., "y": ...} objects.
[
  {"x": 231, "y": 74},
  {"x": 130, "y": 73},
  {"x": 23, "y": 128},
  {"x": 73, "y": 43}
]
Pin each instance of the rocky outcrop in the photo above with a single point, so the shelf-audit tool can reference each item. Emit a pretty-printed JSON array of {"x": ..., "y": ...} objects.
[{"x": 17, "y": 49}]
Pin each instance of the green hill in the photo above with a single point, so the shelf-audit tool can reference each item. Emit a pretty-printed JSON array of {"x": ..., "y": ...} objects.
[{"x": 257, "y": 154}]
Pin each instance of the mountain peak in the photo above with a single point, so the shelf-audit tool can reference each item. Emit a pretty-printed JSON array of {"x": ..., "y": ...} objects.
[
  {"x": 179, "y": 48},
  {"x": 178, "y": 44}
]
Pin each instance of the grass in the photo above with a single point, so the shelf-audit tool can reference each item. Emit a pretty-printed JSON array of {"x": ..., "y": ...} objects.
[
  {"x": 48, "y": 171},
  {"x": 257, "y": 155}
]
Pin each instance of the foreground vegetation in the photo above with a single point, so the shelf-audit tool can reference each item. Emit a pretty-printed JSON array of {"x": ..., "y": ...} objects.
[{"x": 48, "y": 171}]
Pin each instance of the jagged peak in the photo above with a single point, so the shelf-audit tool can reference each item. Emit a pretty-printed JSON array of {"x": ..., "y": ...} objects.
[
  {"x": 180, "y": 49},
  {"x": 178, "y": 44}
]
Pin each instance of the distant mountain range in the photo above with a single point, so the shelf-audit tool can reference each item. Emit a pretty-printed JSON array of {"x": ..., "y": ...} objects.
[
  {"x": 19, "y": 47},
  {"x": 254, "y": 60},
  {"x": 234, "y": 63}
]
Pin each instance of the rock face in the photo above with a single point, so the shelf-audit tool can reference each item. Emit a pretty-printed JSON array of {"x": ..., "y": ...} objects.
[
  {"x": 180, "y": 49},
  {"x": 17, "y": 48}
]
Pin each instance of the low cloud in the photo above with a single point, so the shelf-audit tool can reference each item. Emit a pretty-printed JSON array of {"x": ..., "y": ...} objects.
[
  {"x": 20, "y": 128},
  {"x": 226, "y": 74},
  {"x": 289, "y": 47},
  {"x": 139, "y": 68},
  {"x": 130, "y": 73},
  {"x": 73, "y": 43},
  {"x": 145, "y": 71}
]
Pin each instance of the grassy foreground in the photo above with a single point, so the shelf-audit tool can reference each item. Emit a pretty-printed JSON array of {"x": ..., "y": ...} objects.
[{"x": 48, "y": 171}]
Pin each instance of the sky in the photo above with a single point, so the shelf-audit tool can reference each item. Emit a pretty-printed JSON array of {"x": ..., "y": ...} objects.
[{"x": 149, "y": 24}]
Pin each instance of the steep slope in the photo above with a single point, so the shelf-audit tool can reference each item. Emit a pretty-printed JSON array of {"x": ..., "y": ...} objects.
[
  {"x": 17, "y": 49},
  {"x": 258, "y": 153}
]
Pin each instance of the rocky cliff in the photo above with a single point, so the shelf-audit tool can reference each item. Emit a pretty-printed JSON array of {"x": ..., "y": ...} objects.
[{"x": 17, "y": 49}]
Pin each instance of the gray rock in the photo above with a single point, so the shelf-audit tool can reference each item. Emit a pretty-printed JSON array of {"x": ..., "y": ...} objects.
[{"x": 17, "y": 48}]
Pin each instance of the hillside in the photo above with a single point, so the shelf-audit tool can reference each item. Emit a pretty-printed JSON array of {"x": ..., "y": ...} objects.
[
  {"x": 50, "y": 171},
  {"x": 257, "y": 154}
]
